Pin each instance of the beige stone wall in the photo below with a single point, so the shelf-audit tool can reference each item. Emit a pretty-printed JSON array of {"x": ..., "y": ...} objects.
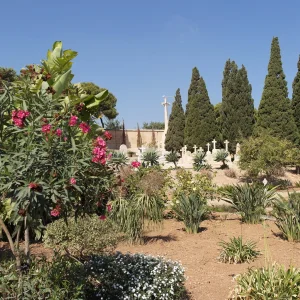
[{"x": 131, "y": 138}]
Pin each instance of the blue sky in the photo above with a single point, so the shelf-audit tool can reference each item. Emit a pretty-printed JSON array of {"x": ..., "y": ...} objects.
[{"x": 141, "y": 50}]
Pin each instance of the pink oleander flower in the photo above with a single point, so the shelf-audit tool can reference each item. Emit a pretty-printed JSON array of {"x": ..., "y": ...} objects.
[
  {"x": 58, "y": 132},
  {"x": 108, "y": 207},
  {"x": 55, "y": 212},
  {"x": 107, "y": 135},
  {"x": 100, "y": 142},
  {"x": 102, "y": 217},
  {"x": 85, "y": 128},
  {"x": 73, "y": 120},
  {"x": 135, "y": 164},
  {"x": 19, "y": 116},
  {"x": 18, "y": 122},
  {"x": 33, "y": 185},
  {"x": 72, "y": 180},
  {"x": 46, "y": 128}
]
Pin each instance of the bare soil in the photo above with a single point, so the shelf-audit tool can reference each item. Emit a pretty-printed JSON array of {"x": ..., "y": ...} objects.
[{"x": 207, "y": 278}]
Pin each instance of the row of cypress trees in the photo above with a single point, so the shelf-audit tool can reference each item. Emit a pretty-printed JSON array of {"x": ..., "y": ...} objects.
[{"x": 236, "y": 118}]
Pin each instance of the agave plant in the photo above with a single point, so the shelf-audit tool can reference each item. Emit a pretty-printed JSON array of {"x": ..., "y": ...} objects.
[
  {"x": 221, "y": 156},
  {"x": 199, "y": 161},
  {"x": 150, "y": 157},
  {"x": 250, "y": 200},
  {"x": 191, "y": 209},
  {"x": 236, "y": 251},
  {"x": 287, "y": 214},
  {"x": 172, "y": 157},
  {"x": 118, "y": 159}
]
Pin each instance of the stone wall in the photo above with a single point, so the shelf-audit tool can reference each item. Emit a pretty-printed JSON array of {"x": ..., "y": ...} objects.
[{"x": 131, "y": 138}]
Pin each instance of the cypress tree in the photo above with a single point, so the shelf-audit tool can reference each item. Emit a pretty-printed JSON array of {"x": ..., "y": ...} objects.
[
  {"x": 139, "y": 141},
  {"x": 296, "y": 97},
  {"x": 274, "y": 112},
  {"x": 175, "y": 134},
  {"x": 200, "y": 120},
  {"x": 237, "y": 106}
]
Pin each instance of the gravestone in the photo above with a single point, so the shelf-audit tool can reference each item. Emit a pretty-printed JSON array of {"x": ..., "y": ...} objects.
[{"x": 123, "y": 149}]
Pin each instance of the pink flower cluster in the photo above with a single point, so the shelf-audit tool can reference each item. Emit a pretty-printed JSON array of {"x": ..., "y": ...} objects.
[
  {"x": 58, "y": 132},
  {"x": 107, "y": 135},
  {"x": 46, "y": 128},
  {"x": 19, "y": 116},
  {"x": 72, "y": 180},
  {"x": 73, "y": 120},
  {"x": 85, "y": 128},
  {"x": 135, "y": 164},
  {"x": 99, "y": 151},
  {"x": 56, "y": 211}
]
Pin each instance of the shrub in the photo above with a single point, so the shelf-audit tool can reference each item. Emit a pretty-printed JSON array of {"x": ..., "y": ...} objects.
[
  {"x": 191, "y": 209},
  {"x": 82, "y": 237},
  {"x": 287, "y": 214},
  {"x": 125, "y": 276},
  {"x": 199, "y": 161},
  {"x": 250, "y": 200},
  {"x": 186, "y": 183},
  {"x": 235, "y": 251},
  {"x": 230, "y": 173},
  {"x": 172, "y": 157},
  {"x": 221, "y": 156},
  {"x": 150, "y": 157},
  {"x": 137, "y": 213},
  {"x": 119, "y": 159},
  {"x": 271, "y": 282},
  {"x": 60, "y": 279}
]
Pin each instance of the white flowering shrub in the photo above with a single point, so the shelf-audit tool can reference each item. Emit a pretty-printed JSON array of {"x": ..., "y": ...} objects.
[{"x": 138, "y": 276}]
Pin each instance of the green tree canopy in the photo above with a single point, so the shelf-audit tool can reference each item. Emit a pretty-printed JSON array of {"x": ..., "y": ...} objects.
[
  {"x": 107, "y": 107},
  {"x": 175, "y": 134},
  {"x": 200, "y": 121},
  {"x": 7, "y": 75},
  {"x": 154, "y": 125},
  {"x": 296, "y": 97},
  {"x": 274, "y": 112}
]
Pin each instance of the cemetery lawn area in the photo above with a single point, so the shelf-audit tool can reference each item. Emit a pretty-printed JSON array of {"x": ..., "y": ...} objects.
[{"x": 207, "y": 278}]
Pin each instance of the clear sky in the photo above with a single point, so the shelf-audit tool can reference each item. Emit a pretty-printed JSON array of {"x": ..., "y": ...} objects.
[{"x": 141, "y": 50}]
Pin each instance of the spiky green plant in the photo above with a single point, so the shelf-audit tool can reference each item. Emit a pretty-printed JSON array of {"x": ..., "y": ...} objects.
[
  {"x": 150, "y": 157},
  {"x": 287, "y": 214},
  {"x": 172, "y": 157},
  {"x": 271, "y": 282},
  {"x": 236, "y": 251},
  {"x": 118, "y": 159},
  {"x": 250, "y": 200},
  {"x": 199, "y": 161},
  {"x": 191, "y": 209},
  {"x": 134, "y": 215},
  {"x": 221, "y": 156}
]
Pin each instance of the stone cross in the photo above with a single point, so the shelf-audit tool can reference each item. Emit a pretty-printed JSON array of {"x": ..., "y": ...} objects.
[
  {"x": 182, "y": 151},
  {"x": 208, "y": 144},
  {"x": 195, "y": 148},
  {"x": 185, "y": 148},
  {"x": 201, "y": 149},
  {"x": 165, "y": 104},
  {"x": 214, "y": 142},
  {"x": 226, "y": 145},
  {"x": 143, "y": 149}
]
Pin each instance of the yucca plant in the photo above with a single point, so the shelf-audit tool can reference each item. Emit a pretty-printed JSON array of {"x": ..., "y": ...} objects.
[
  {"x": 250, "y": 200},
  {"x": 192, "y": 210},
  {"x": 271, "y": 282},
  {"x": 221, "y": 156},
  {"x": 172, "y": 157},
  {"x": 150, "y": 157},
  {"x": 119, "y": 159},
  {"x": 134, "y": 215},
  {"x": 287, "y": 214},
  {"x": 199, "y": 161},
  {"x": 236, "y": 251}
]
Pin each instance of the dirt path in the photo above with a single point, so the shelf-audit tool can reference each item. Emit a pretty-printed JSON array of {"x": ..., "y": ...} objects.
[{"x": 209, "y": 279}]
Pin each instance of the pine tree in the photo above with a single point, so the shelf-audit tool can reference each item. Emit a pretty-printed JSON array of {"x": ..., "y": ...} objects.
[
  {"x": 139, "y": 141},
  {"x": 175, "y": 134},
  {"x": 200, "y": 121},
  {"x": 274, "y": 112},
  {"x": 237, "y": 106},
  {"x": 296, "y": 97}
]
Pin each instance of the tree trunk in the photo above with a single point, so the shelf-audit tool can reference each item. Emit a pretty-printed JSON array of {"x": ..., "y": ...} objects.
[{"x": 27, "y": 242}]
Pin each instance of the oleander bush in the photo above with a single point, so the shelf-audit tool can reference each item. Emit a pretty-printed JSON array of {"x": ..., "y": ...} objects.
[
  {"x": 237, "y": 251},
  {"x": 270, "y": 282},
  {"x": 138, "y": 276},
  {"x": 287, "y": 214},
  {"x": 82, "y": 237}
]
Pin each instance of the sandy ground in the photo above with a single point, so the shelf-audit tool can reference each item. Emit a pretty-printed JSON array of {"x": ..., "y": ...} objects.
[{"x": 207, "y": 278}]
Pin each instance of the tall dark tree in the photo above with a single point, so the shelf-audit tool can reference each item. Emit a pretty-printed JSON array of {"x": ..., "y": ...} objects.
[
  {"x": 237, "y": 106},
  {"x": 200, "y": 120},
  {"x": 274, "y": 112},
  {"x": 175, "y": 134},
  {"x": 296, "y": 97},
  {"x": 139, "y": 141}
]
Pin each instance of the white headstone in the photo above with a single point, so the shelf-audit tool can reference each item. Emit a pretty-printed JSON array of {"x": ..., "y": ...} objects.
[
  {"x": 195, "y": 148},
  {"x": 123, "y": 149},
  {"x": 208, "y": 144},
  {"x": 185, "y": 148},
  {"x": 226, "y": 145},
  {"x": 214, "y": 143},
  {"x": 200, "y": 149}
]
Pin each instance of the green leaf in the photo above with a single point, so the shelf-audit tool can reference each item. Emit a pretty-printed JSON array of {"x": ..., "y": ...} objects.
[
  {"x": 102, "y": 95},
  {"x": 62, "y": 82}
]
